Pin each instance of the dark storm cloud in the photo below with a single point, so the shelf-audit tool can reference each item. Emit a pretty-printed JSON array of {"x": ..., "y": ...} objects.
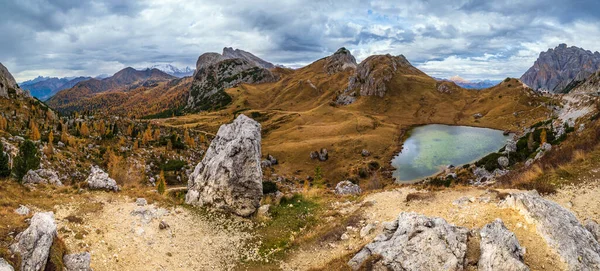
[{"x": 472, "y": 38}]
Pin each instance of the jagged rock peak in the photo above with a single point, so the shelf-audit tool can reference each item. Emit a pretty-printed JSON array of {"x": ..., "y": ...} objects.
[
  {"x": 373, "y": 74},
  {"x": 341, "y": 60},
  {"x": 229, "y": 178},
  {"x": 211, "y": 58},
  {"x": 7, "y": 81},
  {"x": 559, "y": 69}
]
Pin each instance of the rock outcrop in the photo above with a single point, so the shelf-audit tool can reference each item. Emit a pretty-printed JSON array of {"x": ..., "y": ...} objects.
[
  {"x": 590, "y": 85},
  {"x": 5, "y": 266},
  {"x": 593, "y": 228},
  {"x": 7, "y": 82},
  {"x": 42, "y": 176},
  {"x": 341, "y": 60},
  {"x": 416, "y": 242},
  {"x": 347, "y": 188},
  {"x": 215, "y": 73},
  {"x": 373, "y": 74},
  {"x": 500, "y": 249},
  {"x": 33, "y": 244},
  {"x": 229, "y": 177},
  {"x": 99, "y": 180},
  {"x": 78, "y": 262},
  {"x": 559, "y": 69},
  {"x": 560, "y": 228}
]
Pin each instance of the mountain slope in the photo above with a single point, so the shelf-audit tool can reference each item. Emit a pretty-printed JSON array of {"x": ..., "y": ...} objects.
[
  {"x": 7, "y": 82},
  {"x": 560, "y": 69},
  {"x": 73, "y": 99},
  {"x": 45, "y": 87}
]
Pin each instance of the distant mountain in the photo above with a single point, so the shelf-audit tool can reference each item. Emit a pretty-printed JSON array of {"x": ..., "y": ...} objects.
[
  {"x": 172, "y": 70},
  {"x": 128, "y": 79},
  {"x": 216, "y": 72},
  {"x": 45, "y": 87},
  {"x": 471, "y": 84},
  {"x": 561, "y": 69}
]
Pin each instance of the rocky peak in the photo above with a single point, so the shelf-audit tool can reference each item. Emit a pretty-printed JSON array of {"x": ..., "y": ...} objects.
[
  {"x": 341, "y": 60},
  {"x": 373, "y": 74},
  {"x": 7, "y": 81},
  {"x": 558, "y": 70},
  {"x": 215, "y": 73}
]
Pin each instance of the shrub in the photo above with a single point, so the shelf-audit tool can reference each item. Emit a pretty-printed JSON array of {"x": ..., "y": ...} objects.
[
  {"x": 490, "y": 162},
  {"x": 161, "y": 187},
  {"x": 27, "y": 159},
  {"x": 173, "y": 165},
  {"x": 4, "y": 166},
  {"x": 269, "y": 187}
]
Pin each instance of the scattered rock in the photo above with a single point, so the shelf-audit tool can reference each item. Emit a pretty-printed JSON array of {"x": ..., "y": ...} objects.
[
  {"x": 163, "y": 225},
  {"x": 141, "y": 202},
  {"x": 347, "y": 188},
  {"x": 546, "y": 147},
  {"x": 322, "y": 155},
  {"x": 78, "y": 262},
  {"x": 99, "y": 180},
  {"x": 500, "y": 249},
  {"x": 365, "y": 153},
  {"x": 229, "y": 177},
  {"x": 366, "y": 230},
  {"x": 4, "y": 266},
  {"x": 33, "y": 244},
  {"x": 263, "y": 211},
  {"x": 581, "y": 128},
  {"x": 42, "y": 176},
  {"x": 22, "y": 210},
  {"x": 60, "y": 144},
  {"x": 477, "y": 115},
  {"x": 417, "y": 242},
  {"x": 148, "y": 213},
  {"x": 503, "y": 161},
  {"x": 560, "y": 228},
  {"x": 463, "y": 201}
]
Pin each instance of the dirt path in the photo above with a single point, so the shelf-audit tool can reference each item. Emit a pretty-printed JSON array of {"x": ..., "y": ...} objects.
[
  {"x": 584, "y": 201},
  {"x": 123, "y": 236}
]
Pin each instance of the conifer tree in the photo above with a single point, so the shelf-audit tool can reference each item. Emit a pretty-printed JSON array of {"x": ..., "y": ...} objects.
[
  {"x": 4, "y": 166},
  {"x": 27, "y": 159}
]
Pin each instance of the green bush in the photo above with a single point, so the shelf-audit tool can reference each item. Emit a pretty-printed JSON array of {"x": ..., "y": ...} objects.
[
  {"x": 27, "y": 159},
  {"x": 490, "y": 162},
  {"x": 173, "y": 165}
]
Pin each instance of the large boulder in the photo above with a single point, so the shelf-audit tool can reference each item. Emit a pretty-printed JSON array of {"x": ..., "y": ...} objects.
[
  {"x": 560, "y": 228},
  {"x": 33, "y": 244},
  {"x": 500, "y": 249},
  {"x": 78, "y": 262},
  {"x": 99, "y": 180},
  {"x": 416, "y": 242},
  {"x": 5, "y": 266},
  {"x": 229, "y": 177},
  {"x": 42, "y": 176}
]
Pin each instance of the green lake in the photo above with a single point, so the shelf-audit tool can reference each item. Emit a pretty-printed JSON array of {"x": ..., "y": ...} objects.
[{"x": 431, "y": 148}]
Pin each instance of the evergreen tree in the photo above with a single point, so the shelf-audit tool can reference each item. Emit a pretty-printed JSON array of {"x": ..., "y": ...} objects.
[
  {"x": 27, "y": 159},
  {"x": 4, "y": 166}
]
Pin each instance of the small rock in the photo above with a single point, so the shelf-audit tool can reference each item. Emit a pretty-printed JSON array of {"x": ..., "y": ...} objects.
[
  {"x": 163, "y": 225},
  {"x": 347, "y": 188},
  {"x": 98, "y": 179},
  {"x": 322, "y": 155},
  {"x": 366, "y": 230},
  {"x": 365, "y": 153},
  {"x": 22, "y": 210},
  {"x": 141, "y": 202},
  {"x": 503, "y": 161},
  {"x": 461, "y": 201},
  {"x": 42, "y": 176},
  {"x": 477, "y": 115},
  {"x": 4, "y": 266},
  {"x": 78, "y": 262},
  {"x": 344, "y": 236}
]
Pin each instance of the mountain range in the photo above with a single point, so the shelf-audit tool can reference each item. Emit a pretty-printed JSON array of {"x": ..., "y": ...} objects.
[
  {"x": 45, "y": 87},
  {"x": 561, "y": 69},
  {"x": 172, "y": 70},
  {"x": 471, "y": 84}
]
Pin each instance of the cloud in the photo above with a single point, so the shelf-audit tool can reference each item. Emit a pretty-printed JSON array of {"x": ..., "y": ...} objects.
[{"x": 475, "y": 39}]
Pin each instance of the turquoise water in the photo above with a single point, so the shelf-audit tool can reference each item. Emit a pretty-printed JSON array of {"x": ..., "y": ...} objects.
[{"x": 430, "y": 148}]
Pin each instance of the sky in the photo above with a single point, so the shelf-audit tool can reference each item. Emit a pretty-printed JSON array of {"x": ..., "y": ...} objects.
[{"x": 475, "y": 39}]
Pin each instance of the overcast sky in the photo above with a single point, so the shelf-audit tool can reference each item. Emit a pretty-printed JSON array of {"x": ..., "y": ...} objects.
[{"x": 476, "y": 39}]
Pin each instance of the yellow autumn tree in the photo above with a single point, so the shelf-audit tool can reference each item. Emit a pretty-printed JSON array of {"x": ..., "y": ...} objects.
[
  {"x": 157, "y": 134},
  {"x": 3, "y": 123},
  {"x": 34, "y": 133},
  {"x": 130, "y": 130},
  {"x": 161, "y": 185},
  {"x": 84, "y": 130},
  {"x": 543, "y": 137},
  {"x": 188, "y": 140},
  {"x": 50, "y": 146},
  {"x": 147, "y": 136}
]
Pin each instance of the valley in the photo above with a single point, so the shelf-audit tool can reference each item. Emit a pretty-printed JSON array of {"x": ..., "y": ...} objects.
[{"x": 246, "y": 165}]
